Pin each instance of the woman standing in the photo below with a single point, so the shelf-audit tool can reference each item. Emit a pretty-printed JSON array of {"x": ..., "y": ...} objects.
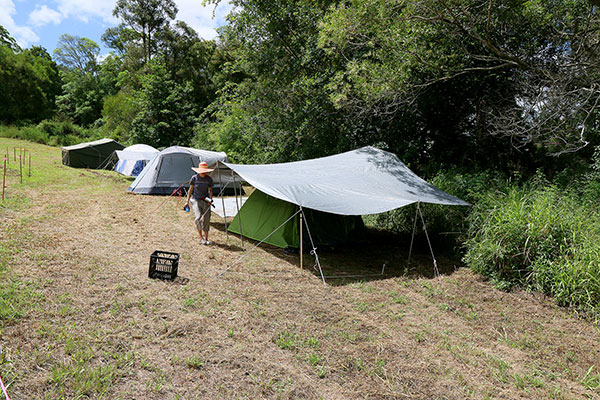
[{"x": 200, "y": 195}]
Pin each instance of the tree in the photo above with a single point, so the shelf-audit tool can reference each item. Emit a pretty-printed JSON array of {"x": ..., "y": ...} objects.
[
  {"x": 525, "y": 70},
  {"x": 165, "y": 109},
  {"x": 146, "y": 18},
  {"x": 76, "y": 53},
  {"x": 29, "y": 82},
  {"x": 275, "y": 107}
]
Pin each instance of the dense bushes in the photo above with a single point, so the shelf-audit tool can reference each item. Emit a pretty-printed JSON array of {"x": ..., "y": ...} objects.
[
  {"x": 539, "y": 237},
  {"x": 53, "y": 133}
]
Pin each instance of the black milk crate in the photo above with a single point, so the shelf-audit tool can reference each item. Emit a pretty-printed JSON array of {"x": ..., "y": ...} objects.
[{"x": 163, "y": 265}]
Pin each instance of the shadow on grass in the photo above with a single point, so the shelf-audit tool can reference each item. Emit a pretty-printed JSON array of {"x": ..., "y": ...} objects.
[{"x": 363, "y": 261}]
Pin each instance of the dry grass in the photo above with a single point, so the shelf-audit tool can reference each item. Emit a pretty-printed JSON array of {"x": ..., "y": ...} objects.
[{"x": 94, "y": 326}]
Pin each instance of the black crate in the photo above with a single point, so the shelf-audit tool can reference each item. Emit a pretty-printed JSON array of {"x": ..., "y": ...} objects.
[{"x": 163, "y": 265}]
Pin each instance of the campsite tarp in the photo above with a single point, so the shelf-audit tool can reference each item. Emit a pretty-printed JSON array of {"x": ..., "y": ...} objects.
[
  {"x": 359, "y": 182},
  {"x": 91, "y": 154},
  {"x": 132, "y": 160},
  {"x": 172, "y": 168}
]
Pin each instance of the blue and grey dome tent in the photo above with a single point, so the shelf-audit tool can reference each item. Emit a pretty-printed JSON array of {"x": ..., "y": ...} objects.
[{"x": 172, "y": 168}]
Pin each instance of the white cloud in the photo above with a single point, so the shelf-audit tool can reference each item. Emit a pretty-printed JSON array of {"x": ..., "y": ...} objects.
[
  {"x": 43, "y": 15},
  {"x": 201, "y": 18},
  {"x": 22, "y": 34},
  {"x": 86, "y": 10}
]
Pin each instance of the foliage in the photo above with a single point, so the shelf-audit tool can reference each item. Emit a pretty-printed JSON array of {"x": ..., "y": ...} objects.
[
  {"x": 118, "y": 113},
  {"x": 50, "y": 132},
  {"x": 146, "y": 18},
  {"x": 29, "y": 83},
  {"x": 463, "y": 70},
  {"x": 77, "y": 54},
  {"x": 539, "y": 237},
  {"x": 166, "y": 114}
]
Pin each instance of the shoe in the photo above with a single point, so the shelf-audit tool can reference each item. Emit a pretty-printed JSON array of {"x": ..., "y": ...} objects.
[
  {"x": 202, "y": 241},
  {"x": 207, "y": 242}
]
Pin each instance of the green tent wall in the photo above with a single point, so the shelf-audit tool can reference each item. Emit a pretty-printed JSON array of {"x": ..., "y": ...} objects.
[
  {"x": 261, "y": 214},
  {"x": 92, "y": 155}
]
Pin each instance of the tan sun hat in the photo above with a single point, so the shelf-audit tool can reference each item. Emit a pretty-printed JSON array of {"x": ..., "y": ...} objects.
[{"x": 202, "y": 168}]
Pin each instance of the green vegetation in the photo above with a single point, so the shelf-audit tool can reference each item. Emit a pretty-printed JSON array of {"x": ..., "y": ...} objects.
[{"x": 544, "y": 238}]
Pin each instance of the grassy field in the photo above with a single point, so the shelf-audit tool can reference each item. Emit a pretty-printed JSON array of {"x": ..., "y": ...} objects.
[{"x": 80, "y": 319}]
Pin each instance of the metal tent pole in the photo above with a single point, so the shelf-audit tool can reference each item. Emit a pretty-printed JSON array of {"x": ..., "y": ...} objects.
[
  {"x": 238, "y": 207},
  {"x": 314, "y": 249},
  {"x": 301, "y": 243},
  {"x": 412, "y": 238},
  {"x": 435, "y": 266},
  {"x": 222, "y": 193}
]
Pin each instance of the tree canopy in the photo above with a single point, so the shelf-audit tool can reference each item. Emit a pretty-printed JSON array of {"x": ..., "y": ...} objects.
[{"x": 469, "y": 83}]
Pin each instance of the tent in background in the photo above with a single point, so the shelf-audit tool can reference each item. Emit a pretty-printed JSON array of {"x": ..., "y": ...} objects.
[
  {"x": 132, "y": 160},
  {"x": 171, "y": 169},
  {"x": 332, "y": 191},
  {"x": 95, "y": 155}
]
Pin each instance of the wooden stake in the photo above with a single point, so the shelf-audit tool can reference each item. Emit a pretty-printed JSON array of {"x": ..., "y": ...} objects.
[
  {"x": 29, "y": 165},
  {"x": 301, "y": 244},
  {"x": 14, "y": 153},
  {"x": 4, "y": 179}
]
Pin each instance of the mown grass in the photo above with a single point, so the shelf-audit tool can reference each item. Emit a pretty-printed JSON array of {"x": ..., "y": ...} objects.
[{"x": 85, "y": 371}]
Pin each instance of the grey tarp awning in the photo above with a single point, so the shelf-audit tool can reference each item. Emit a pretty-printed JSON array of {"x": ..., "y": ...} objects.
[{"x": 359, "y": 182}]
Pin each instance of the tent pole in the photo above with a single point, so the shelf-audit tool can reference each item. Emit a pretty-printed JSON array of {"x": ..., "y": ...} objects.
[
  {"x": 238, "y": 207},
  {"x": 258, "y": 244},
  {"x": 301, "y": 243},
  {"x": 222, "y": 193},
  {"x": 314, "y": 249},
  {"x": 436, "y": 271},
  {"x": 412, "y": 238}
]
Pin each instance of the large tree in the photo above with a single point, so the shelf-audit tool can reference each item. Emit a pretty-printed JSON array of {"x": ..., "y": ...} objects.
[
  {"x": 523, "y": 70},
  {"x": 77, "y": 54},
  {"x": 146, "y": 18}
]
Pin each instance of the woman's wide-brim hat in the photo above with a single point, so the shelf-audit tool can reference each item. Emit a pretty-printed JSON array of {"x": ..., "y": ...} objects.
[{"x": 203, "y": 168}]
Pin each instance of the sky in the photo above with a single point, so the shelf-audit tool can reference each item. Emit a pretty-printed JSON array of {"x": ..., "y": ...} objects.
[{"x": 41, "y": 22}]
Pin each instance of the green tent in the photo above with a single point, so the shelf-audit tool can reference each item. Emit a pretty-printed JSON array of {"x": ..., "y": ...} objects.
[
  {"x": 95, "y": 155},
  {"x": 262, "y": 214}
]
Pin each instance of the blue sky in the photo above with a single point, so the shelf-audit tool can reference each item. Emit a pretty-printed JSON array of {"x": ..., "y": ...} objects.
[{"x": 41, "y": 23}]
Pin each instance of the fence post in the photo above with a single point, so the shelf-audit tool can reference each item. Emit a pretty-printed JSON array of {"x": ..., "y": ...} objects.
[
  {"x": 3, "y": 179},
  {"x": 20, "y": 169},
  {"x": 29, "y": 165}
]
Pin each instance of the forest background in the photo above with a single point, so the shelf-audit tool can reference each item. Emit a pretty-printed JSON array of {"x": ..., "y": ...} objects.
[{"x": 496, "y": 102}]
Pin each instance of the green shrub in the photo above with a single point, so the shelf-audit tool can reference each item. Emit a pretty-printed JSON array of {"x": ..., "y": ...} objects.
[
  {"x": 53, "y": 133},
  {"x": 538, "y": 237}
]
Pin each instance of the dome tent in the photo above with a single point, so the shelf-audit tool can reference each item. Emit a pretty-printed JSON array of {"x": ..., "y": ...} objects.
[
  {"x": 132, "y": 160},
  {"x": 171, "y": 169}
]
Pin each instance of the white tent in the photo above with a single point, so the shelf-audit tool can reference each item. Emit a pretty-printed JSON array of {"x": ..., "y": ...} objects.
[
  {"x": 133, "y": 159},
  {"x": 171, "y": 169}
]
